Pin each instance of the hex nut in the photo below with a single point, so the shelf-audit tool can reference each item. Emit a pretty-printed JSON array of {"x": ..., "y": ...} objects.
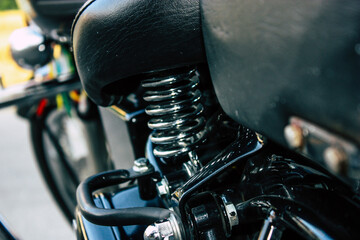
[
  {"x": 162, "y": 188},
  {"x": 167, "y": 229},
  {"x": 142, "y": 165}
]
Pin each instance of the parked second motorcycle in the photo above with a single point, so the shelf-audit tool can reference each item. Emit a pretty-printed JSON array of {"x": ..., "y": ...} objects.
[{"x": 66, "y": 133}]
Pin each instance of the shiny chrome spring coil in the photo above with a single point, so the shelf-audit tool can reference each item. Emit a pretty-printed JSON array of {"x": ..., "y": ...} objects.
[{"x": 176, "y": 111}]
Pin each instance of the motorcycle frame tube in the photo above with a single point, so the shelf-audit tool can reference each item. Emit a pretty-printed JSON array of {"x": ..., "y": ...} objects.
[
  {"x": 288, "y": 214},
  {"x": 115, "y": 217},
  {"x": 24, "y": 94},
  {"x": 237, "y": 151}
]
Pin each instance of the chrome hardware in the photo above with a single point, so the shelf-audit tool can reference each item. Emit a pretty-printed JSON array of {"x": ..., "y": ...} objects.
[
  {"x": 29, "y": 48},
  {"x": 193, "y": 165},
  {"x": 294, "y": 136},
  {"x": 269, "y": 231},
  {"x": 338, "y": 154},
  {"x": 231, "y": 212},
  {"x": 176, "y": 110},
  {"x": 142, "y": 165},
  {"x": 168, "y": 229},
  {"x": 162, "y": 188}
]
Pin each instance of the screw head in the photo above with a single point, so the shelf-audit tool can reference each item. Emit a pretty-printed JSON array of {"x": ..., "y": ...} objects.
[
  {"x": 336, "y": 159},
  {"x": 294, "y": 136}
]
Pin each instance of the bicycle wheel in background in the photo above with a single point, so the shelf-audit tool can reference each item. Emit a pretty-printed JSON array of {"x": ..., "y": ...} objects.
[{"x": 68, "y": 146}]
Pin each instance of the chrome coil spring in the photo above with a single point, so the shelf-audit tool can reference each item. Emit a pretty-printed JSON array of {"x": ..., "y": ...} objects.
[{"x": 176, "y": 111}]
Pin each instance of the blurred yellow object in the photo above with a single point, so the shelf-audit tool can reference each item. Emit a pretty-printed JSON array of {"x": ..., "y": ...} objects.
[
  {"x": 10, "y": 72},
  {"x": 59, "y": 101},
  {"x": 75, "y": 96},
  {"x": 57, "y": 51}
]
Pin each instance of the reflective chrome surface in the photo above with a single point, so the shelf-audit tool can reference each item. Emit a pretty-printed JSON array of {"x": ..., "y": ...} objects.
[
  {"x": 269, "y": 231},
  {"x": 167, "y": 229},
  {"x": 24, "y": 38},
  {"x": 176, "y": 110},
  {"x": 231, "y": 213},
  {"x": 29, "y": 48},
  {"x": 142, "y": 165}
]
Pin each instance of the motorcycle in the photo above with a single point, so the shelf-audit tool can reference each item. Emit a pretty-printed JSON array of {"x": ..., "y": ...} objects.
[
  {"x": 252, "y": 107},
  {"x": 243, "y": 118}
]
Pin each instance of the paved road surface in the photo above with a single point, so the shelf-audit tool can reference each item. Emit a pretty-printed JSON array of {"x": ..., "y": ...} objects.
[{"x": 24, "y": 200}]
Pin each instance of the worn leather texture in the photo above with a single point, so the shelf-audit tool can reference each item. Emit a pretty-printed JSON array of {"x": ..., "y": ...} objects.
[
  {"x": 270, "y": 60},
  {"x": 115, "y": 41}
]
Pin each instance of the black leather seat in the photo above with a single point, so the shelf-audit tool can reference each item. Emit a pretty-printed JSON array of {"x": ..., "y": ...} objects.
[{"x": 115, "y": 41}]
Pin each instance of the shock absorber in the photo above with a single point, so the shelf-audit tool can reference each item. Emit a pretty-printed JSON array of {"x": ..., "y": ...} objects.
[{"x": 176, "y": 111}]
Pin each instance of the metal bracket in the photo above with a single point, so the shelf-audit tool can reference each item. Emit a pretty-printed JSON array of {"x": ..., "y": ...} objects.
[{"x": 341, "y": 156}]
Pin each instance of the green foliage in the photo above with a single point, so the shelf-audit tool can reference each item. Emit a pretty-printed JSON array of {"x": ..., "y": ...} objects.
[{"x": 7, "y": 4}]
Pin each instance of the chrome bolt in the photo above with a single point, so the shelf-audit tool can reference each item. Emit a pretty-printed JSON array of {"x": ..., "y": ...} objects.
[
  {"x": 336, "y": 159},
  {"x": 167, "y": 229},
  {"x": 142, "y": 165},
  {"x": 294, "y": 136},
  {"x": 162, "y": 188},
  {"x": 152, "y": 232},
  {"x": 272, "y": 215}
]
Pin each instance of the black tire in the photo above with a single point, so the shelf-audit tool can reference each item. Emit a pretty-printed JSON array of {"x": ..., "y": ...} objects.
[{"x": 58, "y": 174}]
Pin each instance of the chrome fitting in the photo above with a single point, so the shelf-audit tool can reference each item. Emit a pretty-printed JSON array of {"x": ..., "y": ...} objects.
[
  {"x": 162, "y": 188},
  {"x": 230, "y": 212},
  {"x": 142, "y": 165},
  {"x": 168, "y": 229}
]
